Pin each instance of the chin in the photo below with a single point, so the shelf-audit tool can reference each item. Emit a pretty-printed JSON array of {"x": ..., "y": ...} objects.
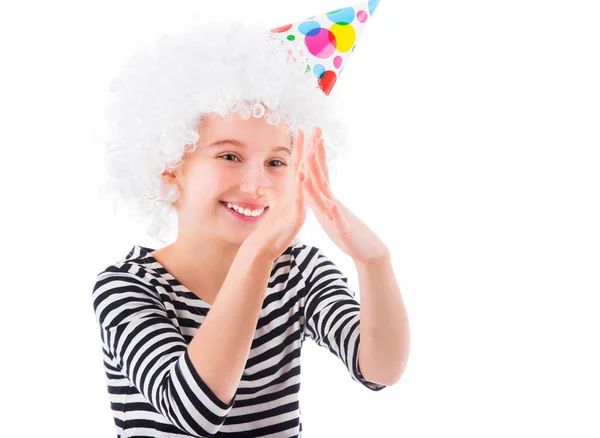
[{"x": 236, "y": 237}]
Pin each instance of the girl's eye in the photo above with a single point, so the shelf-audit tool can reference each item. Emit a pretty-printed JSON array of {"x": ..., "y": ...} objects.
[
  {"x": 227, "y": 155},
  {"x": 278, "y": 161},
  {"x": 282, "y": 164}
]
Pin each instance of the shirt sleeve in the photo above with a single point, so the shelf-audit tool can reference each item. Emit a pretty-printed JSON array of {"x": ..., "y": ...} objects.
[
  {"x": 331, "y": 311},
  {"x": 150, "y": 350}
]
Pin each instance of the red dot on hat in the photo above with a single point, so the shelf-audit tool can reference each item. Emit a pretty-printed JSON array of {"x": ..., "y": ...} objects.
[
  {"x": 327, "y": 81},
  {"x": 283, "y": 28}
]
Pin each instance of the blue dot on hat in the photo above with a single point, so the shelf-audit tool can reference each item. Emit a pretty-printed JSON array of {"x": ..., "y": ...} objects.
[
  {"x": 342, "y": 16},
  {"x": 309, "y": 28},
  {"x": 372, "y": 6},
  {"x": 318, "y": 70}
]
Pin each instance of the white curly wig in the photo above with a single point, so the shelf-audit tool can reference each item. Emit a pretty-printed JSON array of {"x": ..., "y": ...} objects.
[{"x": 163, "y": 92}]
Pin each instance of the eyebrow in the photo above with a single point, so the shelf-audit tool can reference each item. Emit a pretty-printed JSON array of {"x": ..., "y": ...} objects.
[{"x": 242, "y": 144}]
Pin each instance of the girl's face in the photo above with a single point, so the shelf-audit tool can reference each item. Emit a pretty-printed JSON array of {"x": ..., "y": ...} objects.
[{"x": 233, "y": 159}]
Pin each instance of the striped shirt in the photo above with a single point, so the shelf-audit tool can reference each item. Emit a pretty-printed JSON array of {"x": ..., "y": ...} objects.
[{"x": 147, "y": 318}]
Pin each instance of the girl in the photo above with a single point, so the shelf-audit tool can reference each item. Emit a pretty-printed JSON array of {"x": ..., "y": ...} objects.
[{"x": 203, "y": 336}]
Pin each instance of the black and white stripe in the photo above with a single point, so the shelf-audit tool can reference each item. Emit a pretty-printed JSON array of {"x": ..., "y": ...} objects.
[{"x": 147, "y": 319}]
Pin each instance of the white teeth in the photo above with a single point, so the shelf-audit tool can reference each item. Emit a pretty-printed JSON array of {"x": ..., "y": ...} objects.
[{"x": 245, "y": 211}]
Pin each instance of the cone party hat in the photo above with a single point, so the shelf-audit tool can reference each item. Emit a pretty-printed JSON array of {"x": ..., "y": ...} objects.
[{"x": 326, "y": 41}]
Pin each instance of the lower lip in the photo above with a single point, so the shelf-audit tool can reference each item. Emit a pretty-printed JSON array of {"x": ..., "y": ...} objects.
[{"x": 243, "y": 216}]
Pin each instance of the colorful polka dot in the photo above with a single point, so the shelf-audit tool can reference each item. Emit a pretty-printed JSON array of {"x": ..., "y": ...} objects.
[
  {"x": 328, "y": 40},
  {"x": 342, "y": 16},
  {"x": 327, "y": 81},
  {"x": 362, "y": 16},
  {"x": 318, "y": 70},
  {"x": 283, "y": 28},
  {"x": 321, "y": 45},
  {"x": 309, "y": 28},
  {"x": 345, "y": 36},
  {"x": 372, "y": 6}
]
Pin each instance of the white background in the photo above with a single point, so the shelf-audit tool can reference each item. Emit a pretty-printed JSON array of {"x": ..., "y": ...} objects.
[{"x": 476, "y": 135}]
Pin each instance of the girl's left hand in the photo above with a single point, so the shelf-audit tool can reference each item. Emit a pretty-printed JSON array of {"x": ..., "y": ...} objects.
[{"x": 348, "y": 232}]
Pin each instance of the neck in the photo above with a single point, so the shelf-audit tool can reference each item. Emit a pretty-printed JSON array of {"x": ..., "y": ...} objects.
[{"x": 200, "y": 263}]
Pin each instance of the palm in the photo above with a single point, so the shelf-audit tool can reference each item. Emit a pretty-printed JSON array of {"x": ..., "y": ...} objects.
[{"x": 346, "y": 230}]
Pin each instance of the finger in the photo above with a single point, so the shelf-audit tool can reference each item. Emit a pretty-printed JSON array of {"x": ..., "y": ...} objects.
[
  {"x": 318, "y": 177},
  {"x": 295, "y": 180},
  {"x": 314, "y": 138},
  {"x": 311, "y": 148},
  {"x": 323, "y": 203},
  {"x": 292, "y": 188},
  {"x": 301, "y": 162},
  {"x": 323, "y": 159},
  {"x": 300, "y": 199},
  {"x": 298, "y": 152},
  {"x": 317, "y": 132},
  {"x": 307, "y": 151}
]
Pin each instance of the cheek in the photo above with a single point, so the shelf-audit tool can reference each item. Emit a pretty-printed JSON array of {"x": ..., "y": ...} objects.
[
  {"x": 206, "y": 187},
  {"x": 288, "y": 178},
  {"x": 282, "y": 178},
  {"x": 218, "y": 182}
]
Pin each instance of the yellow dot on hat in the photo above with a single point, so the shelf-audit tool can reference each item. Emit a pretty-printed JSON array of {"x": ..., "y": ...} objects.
[{"x": 345, "y": 36}]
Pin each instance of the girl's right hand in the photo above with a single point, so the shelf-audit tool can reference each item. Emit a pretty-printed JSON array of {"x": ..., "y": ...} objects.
[{"x": 287, "y": 210}]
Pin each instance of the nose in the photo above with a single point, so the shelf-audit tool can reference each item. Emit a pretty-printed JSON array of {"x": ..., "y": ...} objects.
[{"x": 253, "y": 178}]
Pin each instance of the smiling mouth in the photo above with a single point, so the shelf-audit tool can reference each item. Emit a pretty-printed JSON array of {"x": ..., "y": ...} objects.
[
  {"x": 241, "y": 214},
  {"x": 249, "y": 208}
]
